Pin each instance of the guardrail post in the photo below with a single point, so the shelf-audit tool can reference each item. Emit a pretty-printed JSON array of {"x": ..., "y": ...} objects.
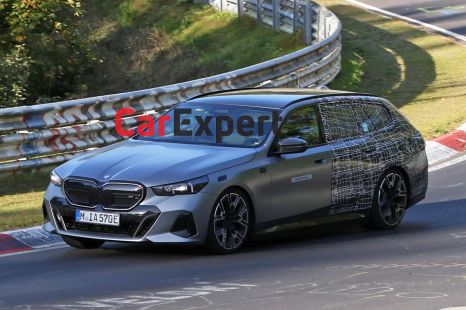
[
  {"x": 259, "y": 11},
  {"x": 276, "y": 14},
  {"x": 322, "y": 26},
  {"x": 295, "y": 15},
  {"x": 307, "y": 23},
  {"x": 295, "y": 76},
  {"x": 240, "y": 5}
]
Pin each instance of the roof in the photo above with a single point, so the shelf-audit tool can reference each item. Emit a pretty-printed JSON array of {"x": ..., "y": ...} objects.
[{"x": 274, "y": 98}]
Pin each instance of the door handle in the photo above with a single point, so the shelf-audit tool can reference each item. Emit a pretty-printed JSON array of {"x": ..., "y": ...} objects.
[{"x": 320, "y": 161}]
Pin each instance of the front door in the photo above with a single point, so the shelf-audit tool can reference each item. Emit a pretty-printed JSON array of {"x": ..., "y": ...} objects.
[{"x": 301, "y": 182}]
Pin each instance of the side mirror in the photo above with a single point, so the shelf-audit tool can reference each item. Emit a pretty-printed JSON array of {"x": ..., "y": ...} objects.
[{"x": 290, "y": 146}]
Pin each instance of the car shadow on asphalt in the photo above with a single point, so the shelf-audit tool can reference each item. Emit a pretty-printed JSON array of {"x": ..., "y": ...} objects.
[{"x": 425, "y": 218}]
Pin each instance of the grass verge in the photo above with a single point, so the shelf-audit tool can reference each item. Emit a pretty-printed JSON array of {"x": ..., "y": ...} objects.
[
  {"x": 146, "y": 43},
  {"x": 420, "y": 73},
  {"x": 21, "y": 200}
]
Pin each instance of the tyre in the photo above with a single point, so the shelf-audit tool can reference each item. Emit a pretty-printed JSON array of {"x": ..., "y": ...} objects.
[
  {"x": 82, "y": 243},
  {"x": 230, "y": 222},
  {"x": 390, "y": 200}
]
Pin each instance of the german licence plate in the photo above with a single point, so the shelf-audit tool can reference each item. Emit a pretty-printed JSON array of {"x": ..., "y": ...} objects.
[{"x": 91, "y": 217}]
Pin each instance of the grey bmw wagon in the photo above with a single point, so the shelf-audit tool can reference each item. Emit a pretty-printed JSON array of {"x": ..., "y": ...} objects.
[{"x": 226, "y": 165}]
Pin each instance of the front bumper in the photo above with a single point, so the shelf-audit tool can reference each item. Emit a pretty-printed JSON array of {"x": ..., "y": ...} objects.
[{"x": 172, "y": 219}]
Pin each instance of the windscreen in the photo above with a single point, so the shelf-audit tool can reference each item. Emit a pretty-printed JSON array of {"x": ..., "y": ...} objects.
[{"x": 213, "y": 124}]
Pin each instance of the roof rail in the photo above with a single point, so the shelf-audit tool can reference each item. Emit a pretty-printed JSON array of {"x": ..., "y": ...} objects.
[
  {"x": 336, "y": 94},
  {"x": 226, "y": 91}
]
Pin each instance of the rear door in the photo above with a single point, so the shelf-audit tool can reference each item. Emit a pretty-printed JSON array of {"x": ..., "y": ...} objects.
[
  {"x": 370, "y": 154},
  {"x": 347, "y": 142},
  {"x": 301, "y": 182}
]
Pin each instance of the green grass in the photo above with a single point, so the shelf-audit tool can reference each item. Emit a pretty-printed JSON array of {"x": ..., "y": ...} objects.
[
  {"x": 147, "y": 43},
  {"x": 21, "y": 200},
  {"x": 421, "y": 73}
]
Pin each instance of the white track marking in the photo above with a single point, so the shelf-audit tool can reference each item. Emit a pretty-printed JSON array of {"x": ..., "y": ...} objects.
[
  {"x": 52, "y": 247},
  {"x": 21, "y": 229},
  {"x": 443, "y": 31},
  {"x": 448, "y": 163},
  {"x": 436, "y": 152}
]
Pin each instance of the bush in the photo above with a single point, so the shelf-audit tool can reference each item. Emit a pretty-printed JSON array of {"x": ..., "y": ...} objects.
[
  {"x": 47, "y": 32},
  {"x": 15, "y": 71}
]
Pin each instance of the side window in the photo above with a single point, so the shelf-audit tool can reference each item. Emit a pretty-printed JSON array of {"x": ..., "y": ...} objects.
[
  {"x": 378, "y": 114},
  {"x": 340, "y": 121},
  {"x": 364, "y": 122},
  {"x": 302, "y": 123}
]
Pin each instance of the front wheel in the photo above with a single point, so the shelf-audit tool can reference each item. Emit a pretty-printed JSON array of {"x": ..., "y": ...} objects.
[
  {"x": 82, "y": 243},
  {"x": 390, "y": 200},
  {"x": 230, "y": 222}
]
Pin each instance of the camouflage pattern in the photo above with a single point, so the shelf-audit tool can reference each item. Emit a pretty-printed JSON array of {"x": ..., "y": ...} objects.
[{"x": 51, "y": 133}]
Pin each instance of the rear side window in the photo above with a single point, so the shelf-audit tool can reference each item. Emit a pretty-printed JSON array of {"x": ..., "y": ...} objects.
[
  {"x": 364, "y": 122},
  {"x": 302, "y": 123},
  {"x": 379, "y": 115},
  {"x": 340, "y": 121}
]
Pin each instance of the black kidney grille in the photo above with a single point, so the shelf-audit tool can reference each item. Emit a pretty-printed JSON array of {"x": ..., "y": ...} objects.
[
  {"x": 118, "y": 196},
  {"x": 81, "y": 192}
]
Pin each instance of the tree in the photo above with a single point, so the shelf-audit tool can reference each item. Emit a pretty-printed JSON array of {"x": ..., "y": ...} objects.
[
  {"x": 14, "y": 73},
  {"x": 45, "y": 31}
]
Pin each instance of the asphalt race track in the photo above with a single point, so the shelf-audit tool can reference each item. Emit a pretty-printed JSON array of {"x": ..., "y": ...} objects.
[
  {"x": 420, "y": 265},
  {"x": 447, "y": 14}
]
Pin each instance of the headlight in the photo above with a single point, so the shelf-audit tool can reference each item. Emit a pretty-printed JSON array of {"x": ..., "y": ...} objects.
[
  {"x": 55, "y": 179},
  {"x": 182, "y": 188}
]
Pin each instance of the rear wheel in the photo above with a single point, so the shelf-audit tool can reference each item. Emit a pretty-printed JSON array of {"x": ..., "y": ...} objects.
[
  {"x": 390, "y": 200},
  {"x": 230, "y": 222},
  {"x": 82, "y": 243}
]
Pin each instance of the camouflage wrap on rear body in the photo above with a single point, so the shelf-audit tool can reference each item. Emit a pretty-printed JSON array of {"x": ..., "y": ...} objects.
[{"x": 367, "y": 157}]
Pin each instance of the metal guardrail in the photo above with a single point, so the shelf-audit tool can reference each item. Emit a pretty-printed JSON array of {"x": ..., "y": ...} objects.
[
  {"x": 51, "y": 133},
  {"x": 285, "y": 15}
]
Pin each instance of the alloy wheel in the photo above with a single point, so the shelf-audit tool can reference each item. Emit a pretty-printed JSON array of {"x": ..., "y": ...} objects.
[
  {"x": 392, "y": 199},
  {"x": 231, "y": 221}
]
